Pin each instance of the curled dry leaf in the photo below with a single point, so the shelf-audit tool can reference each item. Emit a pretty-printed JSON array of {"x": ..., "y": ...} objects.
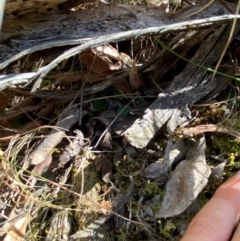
[
  {"x": 185, "y": 183},
  {"x": 98, "y": 61},
  {"x": 126, "y": 59},
  {"x": 174, "y": 152},
  {"x": 107, "y": 50}
]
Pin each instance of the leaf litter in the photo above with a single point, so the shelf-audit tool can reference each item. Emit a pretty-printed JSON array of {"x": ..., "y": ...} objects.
[{"x": 141, "y": 158}]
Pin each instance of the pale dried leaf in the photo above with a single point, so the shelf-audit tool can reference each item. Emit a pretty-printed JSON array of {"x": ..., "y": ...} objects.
[
  {"x": 185, "y": 183},
  {"x": 178, "y": 118},
  {"x": 174, "y": 152},
  {"x": 161, "y": 4},
  {"x": 126, "y": 59},
  {"x": 134, "y": 80},
  {"x": 107, "y": 50},
  {"x": 154, "y": 170},
  {"x": 217, "y": 171}
]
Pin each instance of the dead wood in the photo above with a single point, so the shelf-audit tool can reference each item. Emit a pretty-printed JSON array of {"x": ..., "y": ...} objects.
[
  {"x": 22, "y": 37},
  {"x": 190, "y": 86},
  {"x": 24, "y": 9},
  {"x": 182, "y": 189},
  {"x": 66, "y": 122},
  {"x": 191, "y": 131}
]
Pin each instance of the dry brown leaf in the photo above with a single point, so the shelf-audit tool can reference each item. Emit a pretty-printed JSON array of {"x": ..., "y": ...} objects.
[
  {"x": 134, "y": 80},
  {"x": 3, "y": 101},
  {"x": 97, "y": 61},
  {"x": 18, "y": 230},
  {"x": 122, "y": 85},
  {"x": 185, "y": 183}
]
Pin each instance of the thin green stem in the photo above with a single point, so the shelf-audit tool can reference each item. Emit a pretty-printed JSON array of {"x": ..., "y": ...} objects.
[{"x": 196, "y": 64}]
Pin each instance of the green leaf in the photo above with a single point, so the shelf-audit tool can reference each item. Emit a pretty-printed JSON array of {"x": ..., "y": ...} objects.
[
  {"x": 99, "y": 105},
  {"x": 124, "y": 110},
  {"x": 139, "y": 100},
  {"x": 119, "y": 95},
  {"x": 19, "y": 122}
]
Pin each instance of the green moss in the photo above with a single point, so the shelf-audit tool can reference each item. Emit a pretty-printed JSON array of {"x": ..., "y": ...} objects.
[
  {"x": 167, "y": 229},
  {"x": 225, "y": 146},
  {"x": 151, "y": 188}
]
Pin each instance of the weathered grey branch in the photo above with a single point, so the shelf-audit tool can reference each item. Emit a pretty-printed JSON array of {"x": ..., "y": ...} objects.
[
  {"x": 66, "y": 122},
  {"x": 25, "y": 8},
  {"x": 41, "y": 73},
  {"x": 75, "y": 28},
  {"x": 187, "y": 88},
  {"x": 105, "y": 24}
]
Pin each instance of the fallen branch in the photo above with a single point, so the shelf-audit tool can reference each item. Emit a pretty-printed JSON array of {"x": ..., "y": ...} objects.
[{"x": 191, "y": 131}]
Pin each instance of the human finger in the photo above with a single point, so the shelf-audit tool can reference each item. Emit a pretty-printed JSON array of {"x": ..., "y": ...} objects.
[
  {"x": 217, "y": 219},
  {"x": 236, "y": 235}
]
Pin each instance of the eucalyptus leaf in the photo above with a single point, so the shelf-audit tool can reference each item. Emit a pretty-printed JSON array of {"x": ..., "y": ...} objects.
[
  {"x": 99, "y": 105},
  {"x": 119, "y": 95},
  {"x": 124, "y": 110},
  {"x": 186, "y": 182}
]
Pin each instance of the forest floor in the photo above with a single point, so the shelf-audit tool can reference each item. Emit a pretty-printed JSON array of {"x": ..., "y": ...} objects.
[{"x": 110, "y": 143}]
